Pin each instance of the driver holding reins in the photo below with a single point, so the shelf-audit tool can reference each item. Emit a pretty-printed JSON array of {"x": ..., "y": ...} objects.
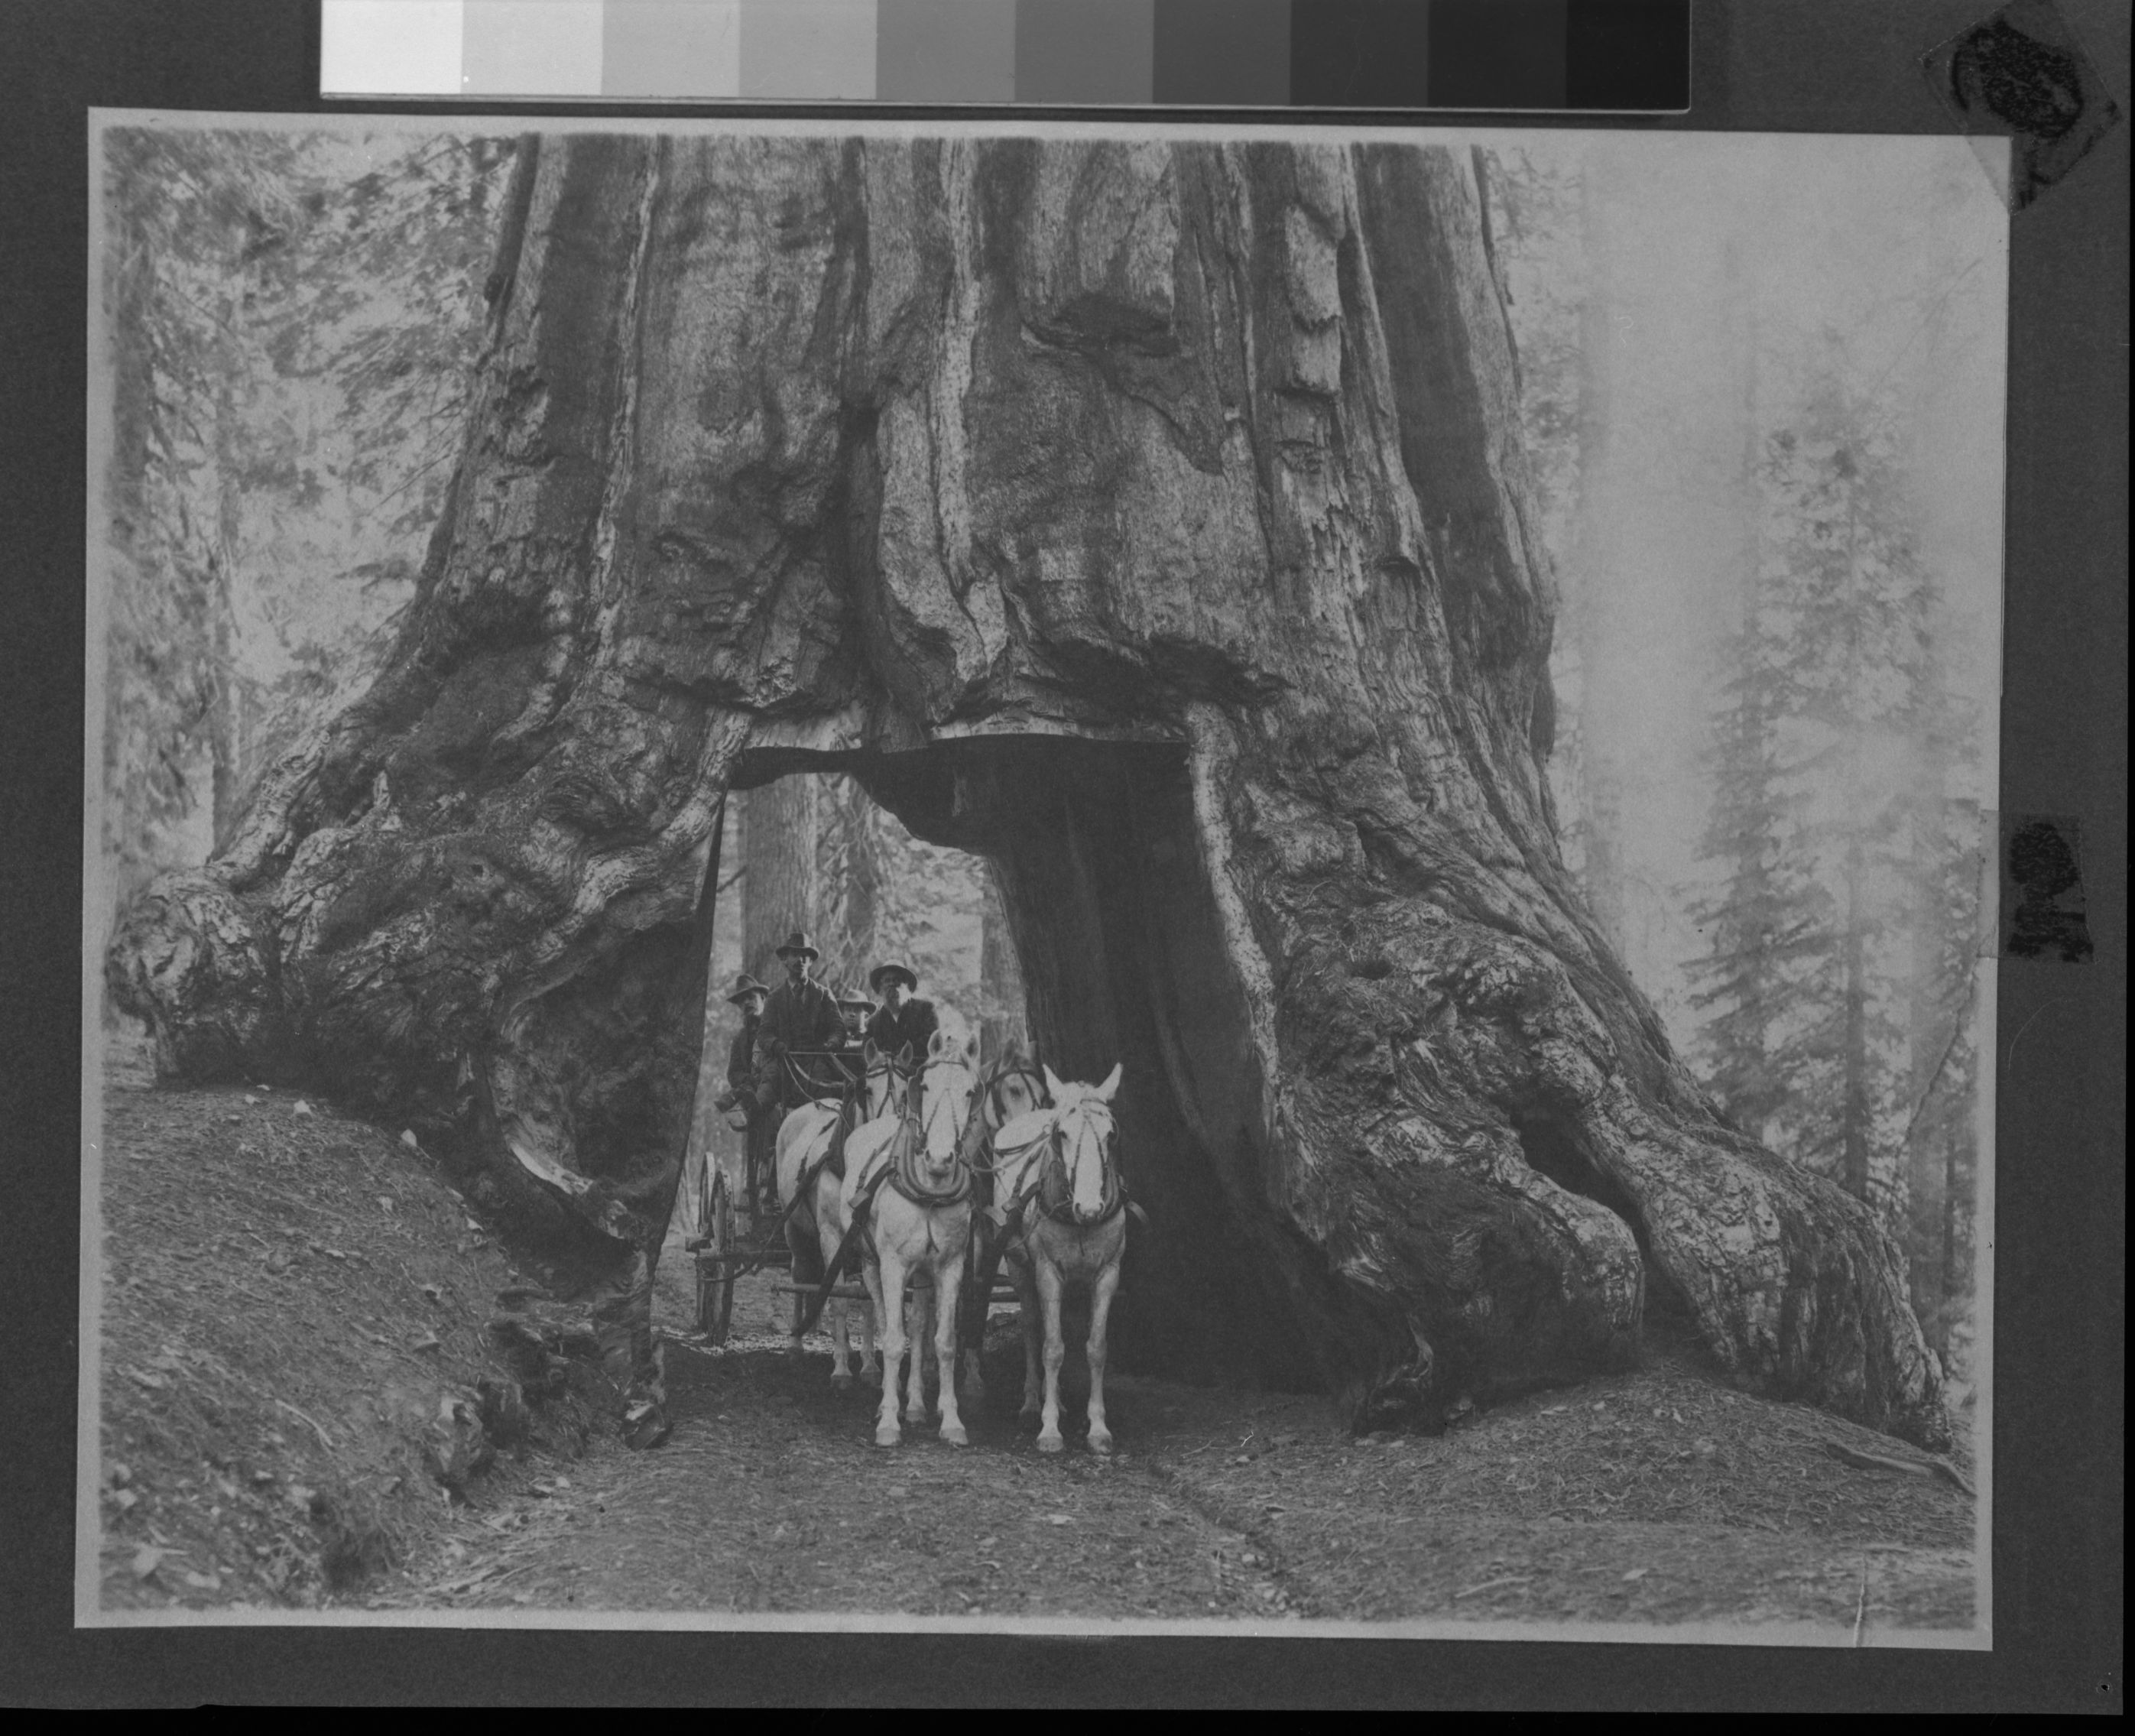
[{"x": 800, "y": 1015}]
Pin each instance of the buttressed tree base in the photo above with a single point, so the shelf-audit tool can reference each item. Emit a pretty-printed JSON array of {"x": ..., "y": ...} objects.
[{"x": 1149, "y": 517}]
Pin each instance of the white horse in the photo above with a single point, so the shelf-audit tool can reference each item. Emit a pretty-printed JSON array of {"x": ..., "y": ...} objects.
[
  {"x": 1064, "y": 1213},
  {"x": 816, "y": 1223},
  {"x": 920, "y": 1177},
  {"x": 1011, "y": 1090}
]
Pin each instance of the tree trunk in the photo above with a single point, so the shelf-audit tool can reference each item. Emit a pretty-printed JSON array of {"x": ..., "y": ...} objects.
[
  {"x": 849, "y": 879},
  {"x": 1149, "y": 517},
  {"x": 1002, "y": 1025},
  {"x": 781, "y": 842}
]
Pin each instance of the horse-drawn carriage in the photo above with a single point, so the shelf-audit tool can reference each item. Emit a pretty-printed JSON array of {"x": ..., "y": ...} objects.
[
  {"x": 731, "y": 1244},
  {"x": 946, "y": 1170}
]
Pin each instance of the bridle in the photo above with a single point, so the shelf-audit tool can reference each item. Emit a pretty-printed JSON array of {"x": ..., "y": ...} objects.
[
  {"x": 1081, "y": 1112},
  {"x": 910, "y": 1176},
  {"x": 991, "y": 1087}
]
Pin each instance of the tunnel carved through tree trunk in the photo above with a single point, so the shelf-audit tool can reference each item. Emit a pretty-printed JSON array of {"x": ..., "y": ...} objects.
[{"x": 1150, "y": 517}]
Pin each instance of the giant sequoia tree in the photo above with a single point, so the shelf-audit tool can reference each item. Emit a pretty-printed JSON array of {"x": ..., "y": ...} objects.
[{"x": 1149, "y": 518}]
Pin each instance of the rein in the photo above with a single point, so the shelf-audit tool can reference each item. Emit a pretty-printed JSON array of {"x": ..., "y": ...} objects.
[
  {"x": 1111, "y": 1195},
  {"x": 990, "y": 1119}
]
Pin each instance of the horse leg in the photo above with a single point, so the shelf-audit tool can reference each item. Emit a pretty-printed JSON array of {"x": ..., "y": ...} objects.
[
  {"x": 948, "y": 1283},
  {"x": 915, "y": 1388},
  {"x": 1056, "y": 1352},
  {"x": 1032, "y": 1315},
  {"x": 886, "y": 1431},
  {"x": 796, "y": 1239},
  {"x": 1100, "y": 1302},
  {"x": 870, "y": 1361},
  {"x": 828, "y": 1234},
  {"x": 972, "y": 1310},
  {"x": 841, "y": 1345}
]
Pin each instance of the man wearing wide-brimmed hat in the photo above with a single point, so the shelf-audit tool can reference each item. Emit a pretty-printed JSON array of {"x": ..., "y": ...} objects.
[
  {"x": 749, "y": 995},
  {"x": 903, "y": 1019},
  {"x": 758, "y": 1127},
  {"x": 802, "y": 1014}
]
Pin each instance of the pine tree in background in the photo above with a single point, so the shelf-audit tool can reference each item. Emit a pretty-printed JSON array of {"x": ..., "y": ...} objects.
[
  {"x": 1948, "y": 861},
  {"x": 1765, "y": 920},
  {"x": 1812, "y": 961}
]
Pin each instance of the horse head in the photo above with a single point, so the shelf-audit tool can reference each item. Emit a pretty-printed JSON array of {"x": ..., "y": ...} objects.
[
  {"x": 941, "y": 1103},
  {"x": 1013, "y": 1088},
  {"x": 1083, "y": 1132},
  {"x": 888, "y": 1083}
]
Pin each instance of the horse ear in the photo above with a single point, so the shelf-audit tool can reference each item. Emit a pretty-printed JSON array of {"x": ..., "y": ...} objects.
[
  {"x": 972, "y": 1049},
  {"x": 1111, "y": 1084},
  {"x": 868, "y": 1050},
  {"x": 904, "y": 1056},
  {"x": 1053, "y": 1087}
]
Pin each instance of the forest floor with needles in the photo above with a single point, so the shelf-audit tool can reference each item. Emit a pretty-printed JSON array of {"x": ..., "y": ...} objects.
[{"x": 291, "y": 1297}]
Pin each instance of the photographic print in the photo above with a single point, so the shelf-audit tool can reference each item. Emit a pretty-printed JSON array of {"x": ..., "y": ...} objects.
[{"x": 1033, "y": 877}]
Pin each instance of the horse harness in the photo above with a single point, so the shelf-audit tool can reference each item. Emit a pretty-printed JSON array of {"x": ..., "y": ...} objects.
[
  {"x": 834, "y": 1154},
  {"x": 1048, "y": 1184}
]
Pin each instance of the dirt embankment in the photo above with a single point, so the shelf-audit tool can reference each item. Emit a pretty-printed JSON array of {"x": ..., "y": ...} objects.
[
  {"x": 299, "y": 1374},
  {"x": 296, "y": 1301}
]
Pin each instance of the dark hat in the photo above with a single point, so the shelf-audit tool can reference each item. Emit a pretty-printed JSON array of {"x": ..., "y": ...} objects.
[
  {"x": 797, "y": 941},
  {"x": 745, "y": 986},
  {"x": 876, "y": 975},
  {"x": 853, "y": 998}
]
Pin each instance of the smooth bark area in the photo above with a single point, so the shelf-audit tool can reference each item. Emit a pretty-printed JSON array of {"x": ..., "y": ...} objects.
[
  {"x": 779, "y": 840},
  {"x": 1149, "y": 517}
]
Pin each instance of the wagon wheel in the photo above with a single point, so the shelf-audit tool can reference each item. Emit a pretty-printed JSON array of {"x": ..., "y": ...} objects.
[{"x": 715, "y": 1264}]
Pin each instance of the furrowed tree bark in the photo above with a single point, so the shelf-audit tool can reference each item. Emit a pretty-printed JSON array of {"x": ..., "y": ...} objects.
[{"x": 1149, "y": 517}]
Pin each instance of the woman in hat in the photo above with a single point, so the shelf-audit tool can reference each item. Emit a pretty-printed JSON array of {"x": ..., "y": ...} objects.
[
  {"x": 903, "y": 1019},
  {"x": 855, "y": 1009}
]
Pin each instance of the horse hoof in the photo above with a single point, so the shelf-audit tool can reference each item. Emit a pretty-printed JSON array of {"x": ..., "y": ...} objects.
[
  {"x": 840, "y": 1381},
  {"x": 955, "y": 1435},
  {"x": 1051, "y": 1442},
  {"x": 1099, "y": 1442},
  {"x": 889, "y": 1437}
]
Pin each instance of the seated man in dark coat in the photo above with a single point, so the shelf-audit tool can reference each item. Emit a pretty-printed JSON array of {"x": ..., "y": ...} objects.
[
  {"x": 800, "y": 1015},
  {"x": 904, "y": 1019}
]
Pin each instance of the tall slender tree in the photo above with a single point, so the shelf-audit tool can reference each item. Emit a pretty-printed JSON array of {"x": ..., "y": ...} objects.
[{"x": 779, "y": 844}]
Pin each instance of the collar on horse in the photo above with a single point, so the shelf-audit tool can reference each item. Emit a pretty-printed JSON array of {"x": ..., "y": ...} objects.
[{"x": 905, "y": 1173}]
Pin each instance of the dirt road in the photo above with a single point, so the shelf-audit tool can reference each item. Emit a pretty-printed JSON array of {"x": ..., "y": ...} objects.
[
  {"x": 291, "y": 1295},
  {"x": 1655, "y": 1497}
]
